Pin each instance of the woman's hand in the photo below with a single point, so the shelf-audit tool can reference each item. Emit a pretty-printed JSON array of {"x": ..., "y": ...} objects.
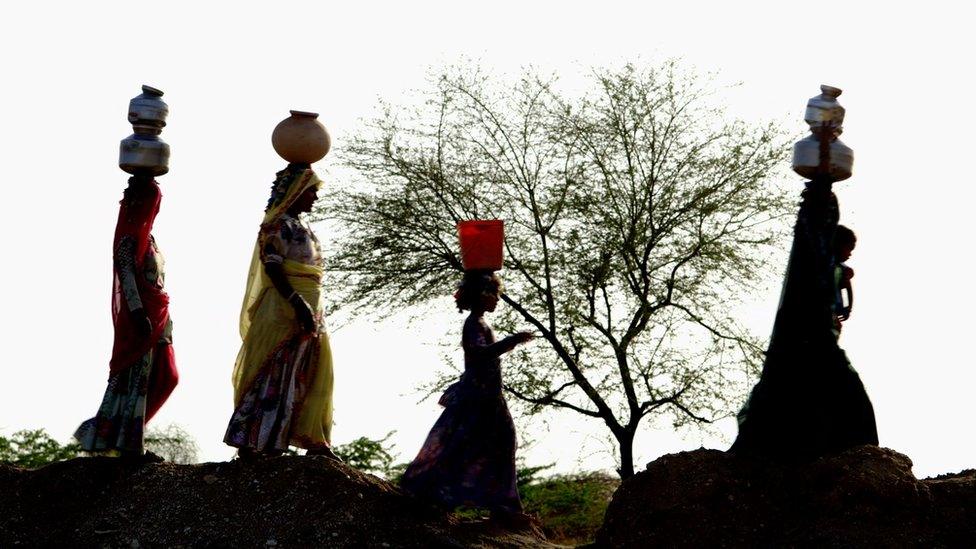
[
  {"x": 304, "y": 314},
  {"x": 141, "y": 321},
  {"x": 306, "y": 319},
  {"x": 523, "y": 337}
]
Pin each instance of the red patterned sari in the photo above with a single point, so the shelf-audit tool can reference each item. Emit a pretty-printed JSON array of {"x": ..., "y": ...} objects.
[{"x": 142, "y": 371}]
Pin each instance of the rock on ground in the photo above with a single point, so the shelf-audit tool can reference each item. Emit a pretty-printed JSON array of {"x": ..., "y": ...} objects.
[{"x": 864, "y": 497}]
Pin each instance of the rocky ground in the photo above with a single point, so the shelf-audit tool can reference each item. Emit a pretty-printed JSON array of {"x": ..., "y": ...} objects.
[
  {"x": 287, "y": 501},
  {"x": 865, "y": 497}
]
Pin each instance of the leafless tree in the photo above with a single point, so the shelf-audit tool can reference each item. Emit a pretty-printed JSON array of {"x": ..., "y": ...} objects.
[{"x": 636, "y": 214}]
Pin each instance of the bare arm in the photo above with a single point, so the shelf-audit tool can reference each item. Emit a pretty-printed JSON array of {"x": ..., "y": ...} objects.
[
  {"x": 276, "y": 273},
  {"x": 847, "y": 288},
  {"x": 125, "y": 263},
  {"x": 475, "y": 344}
]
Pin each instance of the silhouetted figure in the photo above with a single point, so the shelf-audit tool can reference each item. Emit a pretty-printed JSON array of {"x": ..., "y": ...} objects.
[
  {"x": 809, "y": 401},
  {"x": 469, "y": 455}
]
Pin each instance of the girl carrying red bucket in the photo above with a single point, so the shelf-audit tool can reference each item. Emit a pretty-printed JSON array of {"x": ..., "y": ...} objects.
[{"x": 469, "y": 456}]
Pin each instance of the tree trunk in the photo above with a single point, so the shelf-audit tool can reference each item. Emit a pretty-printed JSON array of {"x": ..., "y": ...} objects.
[{"x": 625, "y": 441}]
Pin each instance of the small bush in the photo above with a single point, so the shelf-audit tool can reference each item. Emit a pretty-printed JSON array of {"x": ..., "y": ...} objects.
[
  {"x": 570, "y": 507},
  {"x": 371, "y": 456},
  {"x": 172, "y": 443},
  {"x": 32, "y": 448}
]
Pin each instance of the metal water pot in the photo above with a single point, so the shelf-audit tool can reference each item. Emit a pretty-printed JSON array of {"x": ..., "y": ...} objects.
[
  {"x": 148, "y": 109},
  {"x": 806, "y": 159},
  {"x": 825, "y": 116},
  {"x": 144, "y": 151},
  {"x": 824, "y": 109}
]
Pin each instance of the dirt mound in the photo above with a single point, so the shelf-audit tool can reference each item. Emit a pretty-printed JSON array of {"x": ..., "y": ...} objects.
[
  {"x": 287, "y": 501},
  {"x": 864, "y": 497}
]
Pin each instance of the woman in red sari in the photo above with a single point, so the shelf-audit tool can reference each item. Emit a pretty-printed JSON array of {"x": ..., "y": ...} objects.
[{"x": 142, "y": 372}]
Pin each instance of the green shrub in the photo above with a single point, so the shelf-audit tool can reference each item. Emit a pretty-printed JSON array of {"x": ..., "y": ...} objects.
[
  {"x": 371, "y": 456},
  {"x": 34, "y": 448},
  {"x": 172, "y": 443},
  {"x": 570, "y": 507}
]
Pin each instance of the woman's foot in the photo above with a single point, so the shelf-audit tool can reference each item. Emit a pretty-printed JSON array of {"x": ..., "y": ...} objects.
[
  {"x": 152, "y": 457},
  {"x": 516, "y": 520},
  {"x": 247, "y": 454},
  {"x": 327, "y": 452},
  {"x": 135, "y": 456},
  {"x": 251, "y": 454}
]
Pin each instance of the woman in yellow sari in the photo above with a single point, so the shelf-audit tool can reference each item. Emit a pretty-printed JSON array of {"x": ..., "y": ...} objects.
[{"x": 283, "y": 375}]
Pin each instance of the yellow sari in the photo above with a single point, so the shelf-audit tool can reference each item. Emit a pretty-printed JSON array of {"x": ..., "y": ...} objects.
[{"x": 283, "y": 379}]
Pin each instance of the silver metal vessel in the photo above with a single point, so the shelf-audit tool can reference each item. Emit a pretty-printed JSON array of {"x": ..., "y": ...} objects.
[
  {"x": 144, "y": 151},
  {"x": 821, "y": 155}
]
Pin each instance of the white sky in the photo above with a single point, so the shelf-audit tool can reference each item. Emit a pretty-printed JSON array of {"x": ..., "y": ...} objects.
[{"x": 231, "y": 71}]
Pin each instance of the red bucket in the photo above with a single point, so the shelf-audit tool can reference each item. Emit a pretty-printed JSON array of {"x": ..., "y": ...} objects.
[{"x": 481, "y": 244}]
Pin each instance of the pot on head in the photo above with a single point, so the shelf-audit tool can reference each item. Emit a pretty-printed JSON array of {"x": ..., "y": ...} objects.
[
  {"x": 825, "y": 116},
  {"x": 144, "y": 151},
  {"x": 824, "y": 109},
  {"x": 301, "y": 138},
  {"x": 806, "y": 159}
]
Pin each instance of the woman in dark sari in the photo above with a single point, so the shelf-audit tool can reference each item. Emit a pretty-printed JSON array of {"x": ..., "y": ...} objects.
[{"x": 469, "y": 455}]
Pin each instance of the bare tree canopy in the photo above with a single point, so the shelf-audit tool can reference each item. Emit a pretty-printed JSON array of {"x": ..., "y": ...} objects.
[{"x": 635, "y": 214}]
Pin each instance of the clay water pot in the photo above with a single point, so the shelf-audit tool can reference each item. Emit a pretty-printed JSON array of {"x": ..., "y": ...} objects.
[{"x": 301, "y": 138}]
